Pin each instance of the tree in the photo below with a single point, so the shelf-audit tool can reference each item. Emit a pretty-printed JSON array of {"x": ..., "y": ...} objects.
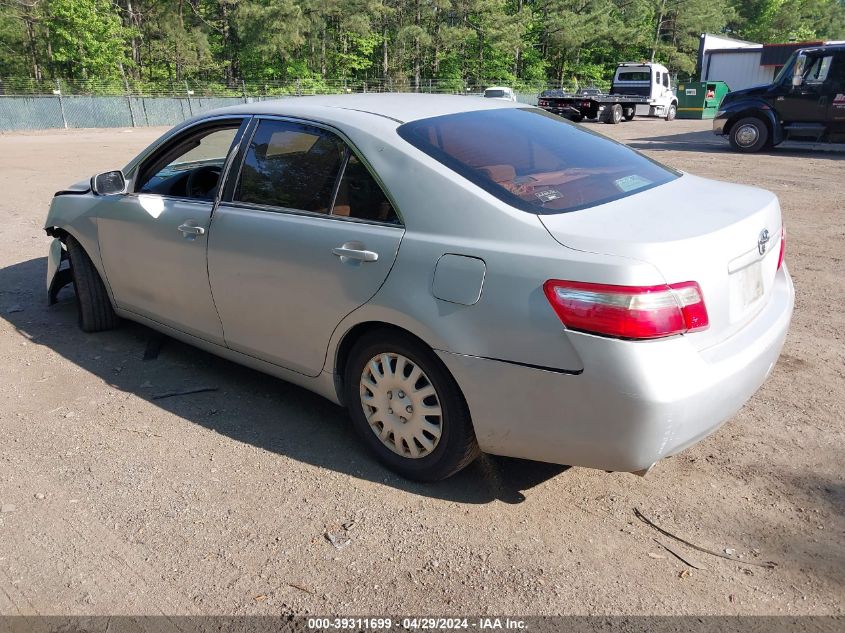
[{"x": 407, "y": 43}]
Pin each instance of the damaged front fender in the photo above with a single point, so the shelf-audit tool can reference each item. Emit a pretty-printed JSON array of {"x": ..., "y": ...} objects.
[{"x": 58, "y": 270}]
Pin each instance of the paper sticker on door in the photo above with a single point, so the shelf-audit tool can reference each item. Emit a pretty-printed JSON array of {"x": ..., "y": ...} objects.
[{"x": 690, "y": 92}]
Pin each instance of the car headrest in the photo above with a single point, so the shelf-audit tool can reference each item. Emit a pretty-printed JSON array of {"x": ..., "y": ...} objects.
[{"x": 499, "y": 173}]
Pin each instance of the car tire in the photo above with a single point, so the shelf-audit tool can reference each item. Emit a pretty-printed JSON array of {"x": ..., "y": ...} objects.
[
  {"x": 95, "y": 310},
  {"x": 749, "y": 135},
  {"x": 614, "y": 115},
  {"x": 630, "y": 113},
  {"x": 576, "y": 118},
  {"x": 379, "y": 395},
  {"x": 672, "y": 112}
]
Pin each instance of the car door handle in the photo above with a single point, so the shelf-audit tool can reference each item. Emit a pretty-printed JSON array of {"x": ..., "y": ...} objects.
[
  {"x": 357, "y": 254},
  {"x": 189, "y": 229}
]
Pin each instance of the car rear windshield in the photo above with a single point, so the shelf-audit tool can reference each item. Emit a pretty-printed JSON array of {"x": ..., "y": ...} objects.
[
  {"x": 534, "y": 160},
  {"x": 634, "y": 76},
  {"x": 494, "y": 93}
]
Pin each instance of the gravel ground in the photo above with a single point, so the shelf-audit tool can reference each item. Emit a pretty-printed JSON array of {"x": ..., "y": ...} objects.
[{"x": 221, "y": 502}]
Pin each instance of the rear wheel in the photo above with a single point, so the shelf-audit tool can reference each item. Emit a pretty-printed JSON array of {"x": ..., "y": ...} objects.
[
  {"x": 614, "y": 115},
  {"x": 95, "y": 309},
  {"x": 749, "y": 135},
  {"x": 629, "y": 114},
  {"x": 577, "y": 118},
  {"x": 407, "y": 408},
  {"x": 672, "y": 112}
]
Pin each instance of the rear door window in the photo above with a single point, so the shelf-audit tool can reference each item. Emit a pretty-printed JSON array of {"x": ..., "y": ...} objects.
[
  {"x": 291, "y": 165},
  {"x": 534, "y": 160},
  {"x": 360, "y": 196}
]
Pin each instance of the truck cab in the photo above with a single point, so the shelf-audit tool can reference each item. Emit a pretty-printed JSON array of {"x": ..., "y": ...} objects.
[
  {"x": 648, "y": 80},
  {"x": 805, "y": 102}
]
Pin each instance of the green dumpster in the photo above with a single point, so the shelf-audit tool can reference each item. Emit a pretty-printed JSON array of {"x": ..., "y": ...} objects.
[{"x": 700, "y": 100}]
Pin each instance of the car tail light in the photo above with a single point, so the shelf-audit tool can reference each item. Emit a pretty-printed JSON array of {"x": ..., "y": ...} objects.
[
  {"x": 782, "y": 246},
  {"x": 629, "y": 312}
]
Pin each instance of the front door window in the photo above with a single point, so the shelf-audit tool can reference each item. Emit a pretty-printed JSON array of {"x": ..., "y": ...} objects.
[{"x": 192, "y": 168}]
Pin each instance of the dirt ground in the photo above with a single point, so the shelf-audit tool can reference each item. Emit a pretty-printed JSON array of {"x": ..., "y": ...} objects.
[{"x": 220, "y": 502}]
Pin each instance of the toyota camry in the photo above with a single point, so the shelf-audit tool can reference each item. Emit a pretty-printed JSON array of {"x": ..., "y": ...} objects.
[{"x": 465, "y": 275}]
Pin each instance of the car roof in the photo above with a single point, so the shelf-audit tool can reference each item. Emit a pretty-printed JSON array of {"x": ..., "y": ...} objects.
[{"x": 399, "y": 107}]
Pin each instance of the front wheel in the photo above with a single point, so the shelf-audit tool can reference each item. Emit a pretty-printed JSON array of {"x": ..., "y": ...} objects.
[
  {"x": 407, "y": 408},
  {"x": 95, "y": 309},
  {"x": 672, "y": 112},
  {"x": 749, "y": 135}
]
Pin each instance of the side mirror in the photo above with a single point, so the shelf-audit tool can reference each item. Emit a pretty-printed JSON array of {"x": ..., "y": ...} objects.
[
  {"x": 108, "y": 183},
  {"x": 798, "y": 71}
]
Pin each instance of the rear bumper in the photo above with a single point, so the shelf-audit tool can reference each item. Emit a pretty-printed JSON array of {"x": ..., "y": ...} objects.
[{"x": 634, "y": 403}]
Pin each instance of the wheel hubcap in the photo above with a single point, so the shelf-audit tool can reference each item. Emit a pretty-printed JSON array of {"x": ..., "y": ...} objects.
[
  {"x": 401, "y": 405},
  {"x": 746, "y": 135}
]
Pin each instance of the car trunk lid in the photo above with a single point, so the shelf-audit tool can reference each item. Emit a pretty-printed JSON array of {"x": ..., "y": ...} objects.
[{"x": 690, "y": 229}]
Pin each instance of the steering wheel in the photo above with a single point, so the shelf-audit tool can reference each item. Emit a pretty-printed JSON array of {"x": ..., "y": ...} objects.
[{"x": 202, "y": 181}]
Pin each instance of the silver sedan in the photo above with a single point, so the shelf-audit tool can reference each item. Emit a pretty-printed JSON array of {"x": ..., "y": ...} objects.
[{"x": 463, "y": 274}]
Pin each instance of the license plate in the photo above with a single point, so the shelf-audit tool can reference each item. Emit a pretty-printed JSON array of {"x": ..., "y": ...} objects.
[{"x": 748, "y": 284}]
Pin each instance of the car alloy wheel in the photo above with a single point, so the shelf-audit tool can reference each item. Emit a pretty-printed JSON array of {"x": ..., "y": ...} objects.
[{"x": 401, "y": 405}]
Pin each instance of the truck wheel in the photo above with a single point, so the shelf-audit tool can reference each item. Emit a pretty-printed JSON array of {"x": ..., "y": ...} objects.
[
  {"x": 749, "y": 135},
  {"x": 672, "y": 112},
  {"x": 95, "y": 310},
  {"x": 577, "y": 118},
  {"x": 614, "y": 116},
  {"x": 629, "y": 114}
]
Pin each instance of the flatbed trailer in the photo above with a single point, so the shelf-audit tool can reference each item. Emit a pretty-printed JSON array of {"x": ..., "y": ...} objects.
[
  {"x": 611, "y": 108},
  {"x": 637, "y": 88}
]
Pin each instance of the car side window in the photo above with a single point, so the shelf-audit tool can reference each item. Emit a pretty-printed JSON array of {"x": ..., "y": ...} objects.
[
  {"x": 666, "y": 80},
  {"x": 818, "y": 70},
  {"x": 657, "y": 77},
  {"x": 290, "y": 165},
  {"x": 191, "y": 168},
  {"x": 360, "y": 196}
]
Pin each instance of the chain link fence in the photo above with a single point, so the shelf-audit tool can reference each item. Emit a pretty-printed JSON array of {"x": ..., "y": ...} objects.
[{"x": 27, "y": 104}]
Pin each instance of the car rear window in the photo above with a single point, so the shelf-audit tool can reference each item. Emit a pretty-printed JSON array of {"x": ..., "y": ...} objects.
[
  {"x": 494, "y": 94},
  {"x": 634, "y": 76},
  {"x": 534, "y": 160}
]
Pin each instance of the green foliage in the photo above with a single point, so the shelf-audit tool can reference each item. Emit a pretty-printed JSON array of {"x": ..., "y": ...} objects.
[{"x": 323, "y": 45}]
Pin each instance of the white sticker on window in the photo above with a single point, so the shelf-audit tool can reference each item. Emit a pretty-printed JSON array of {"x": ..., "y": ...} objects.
[
  {"x": 629, "y": 183},
  {"x": 547, "y": 195}
]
